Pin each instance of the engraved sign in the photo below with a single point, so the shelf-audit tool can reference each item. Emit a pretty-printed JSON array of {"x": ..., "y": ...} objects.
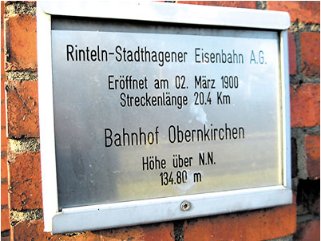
[
  {"x": 145, "y": 113},
  {"x": 160, "y": 113}
]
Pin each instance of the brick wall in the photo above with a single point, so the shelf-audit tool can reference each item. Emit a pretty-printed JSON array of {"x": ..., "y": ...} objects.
[
  {"x": 21, "y": 202},
  {"x": 304, "y": 38},
  {"x": 4, "y": 171}
]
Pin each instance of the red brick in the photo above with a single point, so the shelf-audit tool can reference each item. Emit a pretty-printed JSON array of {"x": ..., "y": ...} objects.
[
  {"x": 29, "y": 230},
  {"x": 4, "y": 193},
  {"x": 33, "y": 230},
  {"x": 21, "y": 42},
  {"x": 5, "y": 219},
  {"x": 305, "y": 105},
  {"x": 25, "y": 181},
  {"x": 131, "y": 233},
  {"x": 309, "y": 231},
  {"x": 310, "y": 53},
  {"x": 312, "y": 149},
  {"x": 159, "y": 232},
  {"x": 235, "y": 4},
  {"x": 162, "y": 232},
  {"x": 22, "y": 102},
  {"x": 292, "y": 54},
  {"x": 304, "y": 11},
  {"x": 4, "y": 173},
  {"x": 249, "y": 226},
  {"x": 4, "y": 170}
]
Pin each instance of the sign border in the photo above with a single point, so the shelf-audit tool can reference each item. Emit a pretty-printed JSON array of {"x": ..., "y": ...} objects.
[{"x": 161, "y": 209}]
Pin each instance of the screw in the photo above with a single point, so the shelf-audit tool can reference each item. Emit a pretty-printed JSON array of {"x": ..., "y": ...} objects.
[{"x": 186, "y": 205}]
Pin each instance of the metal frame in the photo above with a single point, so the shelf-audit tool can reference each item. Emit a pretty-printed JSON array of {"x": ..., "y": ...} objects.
[{"x": 148, "y": 211}]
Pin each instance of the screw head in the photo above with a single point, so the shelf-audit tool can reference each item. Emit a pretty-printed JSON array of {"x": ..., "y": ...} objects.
[{"x": 186, "y": 205}]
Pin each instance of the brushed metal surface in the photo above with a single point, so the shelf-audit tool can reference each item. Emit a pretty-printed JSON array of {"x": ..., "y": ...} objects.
[{"x": 85, "y": 106}]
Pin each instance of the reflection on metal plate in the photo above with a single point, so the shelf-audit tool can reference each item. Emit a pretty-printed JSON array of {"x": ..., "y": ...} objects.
[{"x": 143, "y": 115}]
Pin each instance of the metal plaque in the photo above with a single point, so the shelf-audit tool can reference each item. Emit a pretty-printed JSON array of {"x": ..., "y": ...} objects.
[{"x": 164, "y": 112}]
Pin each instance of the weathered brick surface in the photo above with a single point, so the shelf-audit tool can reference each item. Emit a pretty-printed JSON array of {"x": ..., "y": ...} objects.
[
  {"x": 310, "y": 54},
  {"x": 292, "y": 54},
  {"x": 4, "y": 171},
  {"x": 312, "y": 147},
  {"x": 249, "y": 226},
  {"x": 235, "y": 4},
  {"x": 161, "y": 232},
  {"x": 33, "y": 230},
  {"x": 4, "y": 193},
  {"x": 309, "y": 231},
  {"x": 21, "y": 42},
  {"x": 25, "y": 181},
  {"x": 302, "y": 11},
  {"x": 22, "y": 102},
  {"x": 5, "y": 219},
  {"x": 305, "y": 105},
  {"x": 29, "y": 231},
  {"x": 4, "y": 205}
]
